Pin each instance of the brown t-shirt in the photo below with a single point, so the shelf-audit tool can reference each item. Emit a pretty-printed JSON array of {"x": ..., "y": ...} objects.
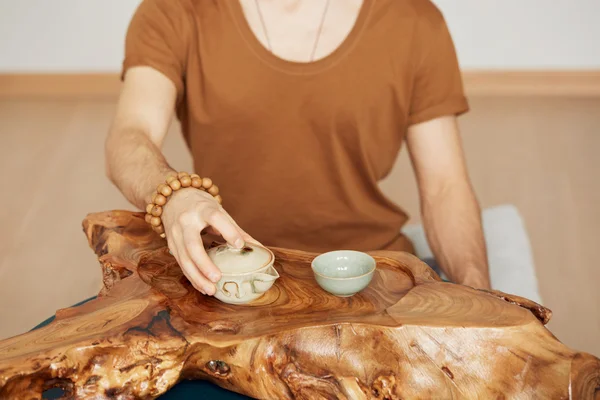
[{"x": 297, "y": 149}]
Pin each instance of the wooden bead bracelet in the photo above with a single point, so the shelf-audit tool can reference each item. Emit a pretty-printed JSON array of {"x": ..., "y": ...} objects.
[{"x": 173, "y": 183}]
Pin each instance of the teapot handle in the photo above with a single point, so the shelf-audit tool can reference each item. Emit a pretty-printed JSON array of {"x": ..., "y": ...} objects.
[{"x": 238, "y": 292}]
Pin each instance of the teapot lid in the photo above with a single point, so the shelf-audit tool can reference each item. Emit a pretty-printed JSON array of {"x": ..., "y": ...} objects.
[{"x": 249, "y": 258}]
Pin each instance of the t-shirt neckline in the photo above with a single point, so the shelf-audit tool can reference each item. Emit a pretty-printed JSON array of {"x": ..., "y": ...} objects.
[{"x": 298, "y": 67}]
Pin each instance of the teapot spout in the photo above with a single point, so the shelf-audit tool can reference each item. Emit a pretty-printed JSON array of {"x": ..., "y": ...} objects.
[
  {"x": 270, "y": 275},
  {"x": 273, "y": 272},
  {"x": 261, "y": 282}
]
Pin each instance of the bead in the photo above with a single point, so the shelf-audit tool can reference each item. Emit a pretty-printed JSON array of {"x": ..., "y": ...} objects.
[
  {"x": 197, "y": 182},
  {"x": 149, "y": 208},
  {"x": 160, "y": 200},
  {"x": 195, "y": 176},
  {"x": 163, "y": 235},
  {"x": 165, "y": 190},
  {"x": 182, "y": 174},
  {"x": 206, "y": 183},
  {"x": 186, "y": 181},
  {"x": 171, "y": 178},
  {"x": 213, "y": 190},
  {"x": 175, "y": 185},
  {"x": 148, "y": 218},
  {"x": 155, "y": 221},
  {"x": 219, "y": 199},
  {"x": 159, "y": 229},
  {"x": 156, "y": 211}
]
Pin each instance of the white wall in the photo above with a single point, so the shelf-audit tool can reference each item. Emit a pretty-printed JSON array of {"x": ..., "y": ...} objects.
[
  {"x": 525, "y": 34},
  {"x": 63, "y": 35},
  {"x": 87, "y": 35}
]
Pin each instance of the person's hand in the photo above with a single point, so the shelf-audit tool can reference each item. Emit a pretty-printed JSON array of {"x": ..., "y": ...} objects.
[{"x": 187, "y": 213}]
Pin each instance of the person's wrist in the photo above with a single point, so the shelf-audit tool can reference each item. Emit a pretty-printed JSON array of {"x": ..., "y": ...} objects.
[
  {"x": 154, "y": 183},
  {"x": 175, "y": 198},
  {"x": 166, "y": 191}
]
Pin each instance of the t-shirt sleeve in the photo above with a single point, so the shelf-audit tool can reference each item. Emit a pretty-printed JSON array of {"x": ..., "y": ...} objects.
[
  {"x": 157, "y": 37},
  {"x": 437, "y": 88}
]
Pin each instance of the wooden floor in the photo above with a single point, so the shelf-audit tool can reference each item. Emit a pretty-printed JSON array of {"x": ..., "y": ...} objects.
[{"x": 540, "y": 154}]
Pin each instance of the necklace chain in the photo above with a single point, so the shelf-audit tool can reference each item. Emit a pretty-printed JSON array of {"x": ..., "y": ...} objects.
[{"x": 315, "y": 45}]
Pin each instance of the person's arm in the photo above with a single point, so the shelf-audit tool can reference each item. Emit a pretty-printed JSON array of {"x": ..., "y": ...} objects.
[
  {"x": 134, "y": 161},
  {"x": 136, "y": 165},
  {"x": 450, "y": 211}
]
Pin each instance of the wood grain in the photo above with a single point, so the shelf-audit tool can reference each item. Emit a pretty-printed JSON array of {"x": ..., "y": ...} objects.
[{"x": 407, "y": 336}]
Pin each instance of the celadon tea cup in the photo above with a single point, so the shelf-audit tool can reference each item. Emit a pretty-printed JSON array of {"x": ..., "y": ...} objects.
[
  {"x": 344, "y": 272},
  {"x": 247, "y": 273}
]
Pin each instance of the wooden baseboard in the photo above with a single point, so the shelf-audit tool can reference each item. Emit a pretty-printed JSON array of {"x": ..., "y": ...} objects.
[
  {"x": 477, "y": 83},
  {"x": 62, "y": 85},
  {"x": 533, "y": 83}
]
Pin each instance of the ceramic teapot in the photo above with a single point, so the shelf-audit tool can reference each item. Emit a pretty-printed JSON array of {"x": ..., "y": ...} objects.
[{"x": 247, "y": 273}]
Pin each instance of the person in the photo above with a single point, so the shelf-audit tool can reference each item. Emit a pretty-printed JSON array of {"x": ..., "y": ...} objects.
[{"x": 297, "y": 109}]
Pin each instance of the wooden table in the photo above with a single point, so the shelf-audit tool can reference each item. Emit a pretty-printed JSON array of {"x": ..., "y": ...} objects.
[{"x": 408, "y": 336}]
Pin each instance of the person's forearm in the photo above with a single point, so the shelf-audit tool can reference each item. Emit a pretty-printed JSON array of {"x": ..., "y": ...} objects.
[
  {"x": 135, "y": 165},
  {"x": 452, "y": 221}
]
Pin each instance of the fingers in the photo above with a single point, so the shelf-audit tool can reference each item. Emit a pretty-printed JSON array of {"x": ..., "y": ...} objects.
[
  {"x": 199, "y": 281},
  {"x": 245, "y": 235},
  {"x": 178, "y": 247},
  {"x": 228, "y": 229},
  {"x": 197, "y": 254},
  {"x": 250, "y": 239},
  {"x": 190, "y": 216},
  {"x": 247, "y": 238}
]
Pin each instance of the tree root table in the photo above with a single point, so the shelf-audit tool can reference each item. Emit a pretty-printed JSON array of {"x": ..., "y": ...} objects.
[{"x": 407, "y": 336}]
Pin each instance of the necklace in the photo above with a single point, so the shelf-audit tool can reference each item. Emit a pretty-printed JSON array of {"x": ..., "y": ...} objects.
[{"x": 315, "y": 45}]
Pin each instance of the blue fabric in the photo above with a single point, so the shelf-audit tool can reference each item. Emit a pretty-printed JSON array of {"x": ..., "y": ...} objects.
[{"x": 190, "y": 390}]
